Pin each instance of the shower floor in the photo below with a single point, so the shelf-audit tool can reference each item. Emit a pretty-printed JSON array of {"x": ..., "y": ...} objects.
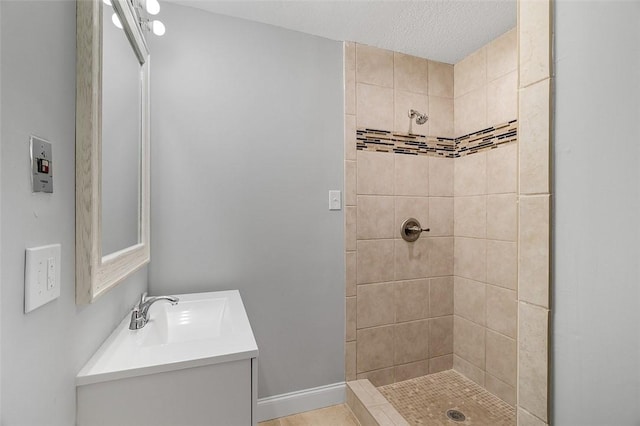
[{"x": 425, "y": 401}]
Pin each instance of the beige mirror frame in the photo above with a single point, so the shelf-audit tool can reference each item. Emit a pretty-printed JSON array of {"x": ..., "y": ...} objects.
[{"x": 95, "y": 274}]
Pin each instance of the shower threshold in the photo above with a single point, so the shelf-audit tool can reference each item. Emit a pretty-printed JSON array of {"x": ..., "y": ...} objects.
[{"x": 445, "y": 398}]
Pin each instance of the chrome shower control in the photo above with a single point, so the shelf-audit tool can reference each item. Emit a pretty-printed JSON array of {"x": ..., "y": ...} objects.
[{"x": 411, "y": 229}]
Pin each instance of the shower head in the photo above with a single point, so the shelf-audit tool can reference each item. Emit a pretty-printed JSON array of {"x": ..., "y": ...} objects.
[{"x": 420, "y": 118}]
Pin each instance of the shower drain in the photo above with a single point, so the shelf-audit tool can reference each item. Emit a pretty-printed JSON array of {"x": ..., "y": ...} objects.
[{"x": 456, "y": 415}]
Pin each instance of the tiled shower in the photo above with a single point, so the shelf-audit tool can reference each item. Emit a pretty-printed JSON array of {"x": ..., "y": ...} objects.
[{"x": 447, "y": 300}]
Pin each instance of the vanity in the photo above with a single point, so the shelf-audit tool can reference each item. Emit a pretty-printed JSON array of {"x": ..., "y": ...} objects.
[{"x": 193, "y": 363}]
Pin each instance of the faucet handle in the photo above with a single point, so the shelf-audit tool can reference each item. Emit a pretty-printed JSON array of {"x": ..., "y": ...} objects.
[{"x": 143, "y": 297}]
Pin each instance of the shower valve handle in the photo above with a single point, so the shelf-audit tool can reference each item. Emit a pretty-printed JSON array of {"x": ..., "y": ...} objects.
[
  {"x": 414, "y": 229},
  {"x": 411, "y": 230}
]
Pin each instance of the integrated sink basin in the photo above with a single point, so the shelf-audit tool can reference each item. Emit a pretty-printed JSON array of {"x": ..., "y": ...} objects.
[
  {"x": 201, "y": 329},
  {"x": 197, "y": 319}
]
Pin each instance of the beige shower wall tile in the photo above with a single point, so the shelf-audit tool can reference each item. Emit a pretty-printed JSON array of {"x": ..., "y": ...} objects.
[
  {"x": 502, "y": 217},
  {"x": 374, "y": 65},
  {"x": 350, "y": 179},
  {"x": 440, "y": 363},
  {"x": 501, "y": 357},
  {"x": 440, "y": 256},
  {"x": 350, "y": 215},
  {"x": 534, "y": 138},
  {"x": 375, "y": 173},
  {"x": 502, "y": 310},
  {"x": 350, "y": 262},
  {"x": 470, "y": 73},
  {"x": 502, "y": 99},
  {"x": 534, "y": 24},
  {"x": 375, "y": 261},
  {"x": 375, "y": 305},
  {"x": 500, "y": 389},
  {"x": 440, "y": 336},
  {"x": 468, "y": 370},
  {"x": 470, "y": 258},
  {"x": 386, "y": 376},
  {"x": 405, "y": 101},
  {"x": 350, "y": 137},
  {"x": 533, "y": 359},
  {"x": 470, "y": 216},
  {"x": 441, "y": 177},
  {"x": 411, "y": 300},
  {"x": 502, "y": 264},
  {"x": 375, "y": 217},
  {"x": 441, "y": 117},
  {"x": 502, "y": 55},
  {"x": 469, "y": 341},
  {"x": 470, "y": 112},
  {"x": 470, "y": 177},
  {"x": 374, "y": 107},
  {"x": 411, "y": 341},
  {"x": 411, "y": 207},
  {"x": 411, "y": 175},
  {"x": 374, "y": 348},
  {"x": 440, "y": 220},
  {"x": 528, "y": 419},
  {"x": 411, "y": 259},
  {"x": 350, "y": 321},
  {"x": 502, "y": 169},
  {"x": 533, "y": 285},
  {"x": 440, "y": 79},
  {"x": 350, "y": 78},
  {"x": 411, "y": 73},
  {"x": 469, "y": 299},
  {"x": 411, "y": 370},
  {"x": 350, "y": 361},
  {"x": 441, "y": 296}
]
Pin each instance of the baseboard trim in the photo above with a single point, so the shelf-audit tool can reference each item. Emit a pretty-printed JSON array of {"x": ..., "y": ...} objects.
[{"x": 290, "y": 403}]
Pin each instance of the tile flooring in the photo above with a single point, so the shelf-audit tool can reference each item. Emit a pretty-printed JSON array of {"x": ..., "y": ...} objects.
[
  {"x": 337, "y": 415},
  {"x": 425, "y": 401}
]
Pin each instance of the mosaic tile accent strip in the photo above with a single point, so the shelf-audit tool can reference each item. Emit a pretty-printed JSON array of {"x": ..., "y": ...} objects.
[
  {"x": 425, "y": 401},
  {"x": 385, "y": 141},
  {"x": 410, "y": 144}
]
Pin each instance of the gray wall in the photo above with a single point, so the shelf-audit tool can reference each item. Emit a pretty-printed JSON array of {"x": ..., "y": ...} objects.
[
  {"x": 596, "y": 322},
  {"x": 247, "y": 140},
  {"x": 43, "y": 350}
]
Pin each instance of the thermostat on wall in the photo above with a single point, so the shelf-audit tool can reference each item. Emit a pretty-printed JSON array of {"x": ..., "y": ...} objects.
[{"x": 41, "y": 165}]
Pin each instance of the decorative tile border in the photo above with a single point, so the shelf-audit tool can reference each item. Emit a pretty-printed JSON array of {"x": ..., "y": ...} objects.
[{"x": 410, "y": 144}]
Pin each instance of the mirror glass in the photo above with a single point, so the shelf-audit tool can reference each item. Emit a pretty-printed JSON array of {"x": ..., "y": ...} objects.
[{"x": 121, "y": 137}]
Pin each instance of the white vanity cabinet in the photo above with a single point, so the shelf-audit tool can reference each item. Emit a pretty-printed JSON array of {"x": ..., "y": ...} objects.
[
  {"x": 219, "y": 394},
  {"x": 193, "y": 364}
]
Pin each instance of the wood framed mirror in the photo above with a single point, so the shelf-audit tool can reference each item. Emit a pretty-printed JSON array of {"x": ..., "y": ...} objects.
[{"x": 112, "y": 141}]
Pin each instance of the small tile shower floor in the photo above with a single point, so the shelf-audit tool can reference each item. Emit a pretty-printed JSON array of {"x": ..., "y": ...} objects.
[{"x": 425, "y": 401}]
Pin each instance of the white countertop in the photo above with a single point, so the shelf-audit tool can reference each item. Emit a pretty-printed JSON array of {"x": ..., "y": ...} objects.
[{"x": 202, "y": 329}]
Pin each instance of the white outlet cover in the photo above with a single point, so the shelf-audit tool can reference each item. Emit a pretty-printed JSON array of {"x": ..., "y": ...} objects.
[{"x": 41, "y": 285}]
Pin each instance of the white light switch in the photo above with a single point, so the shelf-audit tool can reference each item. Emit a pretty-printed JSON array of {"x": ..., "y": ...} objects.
[
  {"x": 335, "y": 200},
  {"x": 42, "y": 276}
]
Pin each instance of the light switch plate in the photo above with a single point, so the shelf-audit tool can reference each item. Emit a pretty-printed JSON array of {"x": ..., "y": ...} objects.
[
  {"x": 335, "y": 200},
  {"x": 42, "y": 276}
]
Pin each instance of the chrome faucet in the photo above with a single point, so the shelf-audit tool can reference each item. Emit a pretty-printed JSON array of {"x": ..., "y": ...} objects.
[{"x": 140, "y": 314}]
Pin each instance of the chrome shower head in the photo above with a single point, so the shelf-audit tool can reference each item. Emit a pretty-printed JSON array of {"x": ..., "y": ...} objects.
[{"x": 420, "y": 118}]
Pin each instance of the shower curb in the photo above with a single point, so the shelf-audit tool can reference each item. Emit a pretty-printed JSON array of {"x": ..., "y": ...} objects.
[{"x": 370, "y": 407}]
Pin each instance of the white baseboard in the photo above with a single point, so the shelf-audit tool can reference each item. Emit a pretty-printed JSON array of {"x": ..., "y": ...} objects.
[{"x": 300, "y": 401}]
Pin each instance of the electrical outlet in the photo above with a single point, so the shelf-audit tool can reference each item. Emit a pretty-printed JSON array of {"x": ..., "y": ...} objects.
[{"x": 42, "y": 276}]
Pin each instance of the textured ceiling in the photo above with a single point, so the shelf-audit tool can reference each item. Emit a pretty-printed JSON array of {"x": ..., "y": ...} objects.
[{"x": 442, "y": 30}]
